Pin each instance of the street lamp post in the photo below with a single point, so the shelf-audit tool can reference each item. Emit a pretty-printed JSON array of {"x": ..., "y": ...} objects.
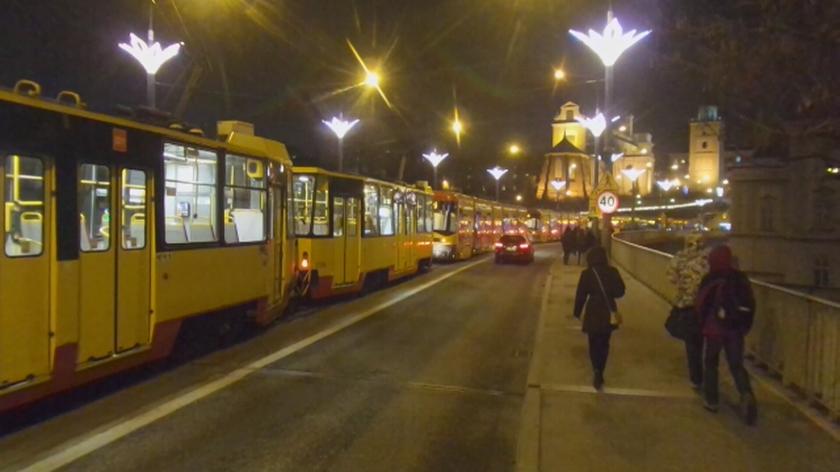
[
  {"x": 558, "y": 185},
  {"x": 435, "y": 159},
  {"x": 633, "y": 175},
  {"x": 340, "y": 127},
  {"x": 497, "y": 173},
  {"x": 609, "y": 46},
  {"x": 151, "y": 55}
]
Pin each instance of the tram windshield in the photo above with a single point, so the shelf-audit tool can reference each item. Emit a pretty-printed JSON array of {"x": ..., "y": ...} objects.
[{"x": 446, "y": 218}]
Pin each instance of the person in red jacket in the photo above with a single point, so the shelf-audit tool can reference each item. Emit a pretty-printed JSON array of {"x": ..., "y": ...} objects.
[{"x": 726, "y": 306}]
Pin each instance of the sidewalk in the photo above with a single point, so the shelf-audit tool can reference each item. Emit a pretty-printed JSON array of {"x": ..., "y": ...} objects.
[{"x": 648, "y": 417}]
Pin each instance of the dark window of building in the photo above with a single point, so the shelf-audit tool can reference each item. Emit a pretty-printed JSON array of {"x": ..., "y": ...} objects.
[
  {"x": 822, "y": 271},
  {"x": 823, "y": 209},
  {"x": 765, "y": 213},
  {"x": 570, "y": 115},
  {"x": 704, "y": 145}
]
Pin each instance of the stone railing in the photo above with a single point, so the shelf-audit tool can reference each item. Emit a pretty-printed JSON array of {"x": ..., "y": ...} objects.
[{"x": 795, "y": 336}]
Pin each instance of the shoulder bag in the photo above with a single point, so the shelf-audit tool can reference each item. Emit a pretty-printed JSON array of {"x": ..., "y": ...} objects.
[{"x": 615, "y": 317}]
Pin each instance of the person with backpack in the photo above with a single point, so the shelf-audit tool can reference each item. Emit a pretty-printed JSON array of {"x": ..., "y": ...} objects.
[
  {"x": 599, "y": 285},
  {"x": 726, "y": 307},
  {"x": 686, "y": 271}
]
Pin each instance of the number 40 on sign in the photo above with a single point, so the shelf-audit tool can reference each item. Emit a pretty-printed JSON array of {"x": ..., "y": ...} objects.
[{"x": 608, "y": 202}]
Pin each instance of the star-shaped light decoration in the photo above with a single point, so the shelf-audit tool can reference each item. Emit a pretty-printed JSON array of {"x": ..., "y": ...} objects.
[
  {"x": 435, "y": 158},
  {"x": 558, "y": 185},
  {"x": 616, "y": 157},
  {"x": 666, "y": 185},
  {"x": 633, "y": 174},
  {"x": 497, "y": 172},
  {"x": 610, "y": 44},
  {"x": 596, "y": 125},
  {"x": 340, "y": 126},
  {"x": 151, "y": 57}
]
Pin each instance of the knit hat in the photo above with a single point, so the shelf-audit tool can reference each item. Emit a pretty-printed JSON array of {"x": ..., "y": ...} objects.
[{"x": 720, "y": 259}]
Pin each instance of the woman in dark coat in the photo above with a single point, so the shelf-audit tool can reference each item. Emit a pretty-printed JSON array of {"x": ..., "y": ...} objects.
[
  {"x": 599, "y": 305},
  {"x": 726, "y": 307}
]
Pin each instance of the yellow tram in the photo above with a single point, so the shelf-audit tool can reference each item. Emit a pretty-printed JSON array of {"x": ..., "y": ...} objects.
[
  {"x": 356, "y": 233},
  {"x": 115, "y": 232}
]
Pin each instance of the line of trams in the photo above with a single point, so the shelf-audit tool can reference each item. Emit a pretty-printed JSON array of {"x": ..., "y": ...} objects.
[{"x": 116, "y": 232}]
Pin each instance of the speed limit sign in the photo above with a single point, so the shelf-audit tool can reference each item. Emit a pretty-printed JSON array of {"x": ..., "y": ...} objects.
[{"x": 607, "y": 202}]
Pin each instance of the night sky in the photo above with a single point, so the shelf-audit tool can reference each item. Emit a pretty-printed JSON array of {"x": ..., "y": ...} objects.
[{"x": 277, "y": 63}]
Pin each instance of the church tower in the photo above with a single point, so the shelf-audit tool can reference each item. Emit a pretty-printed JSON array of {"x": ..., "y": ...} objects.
[
  {"x": 705, "y": 155},
  {"x": 566, "y": 126}
]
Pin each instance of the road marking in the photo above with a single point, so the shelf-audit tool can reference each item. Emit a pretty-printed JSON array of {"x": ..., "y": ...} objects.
[
  {"x": 623, "y": 392},
  {"x": 529, "y": 440},
  {"x": 74, "y": 450}
]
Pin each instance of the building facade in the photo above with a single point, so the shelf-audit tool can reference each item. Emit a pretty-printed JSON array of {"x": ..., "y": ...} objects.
[{"x": 793, "y": 242}]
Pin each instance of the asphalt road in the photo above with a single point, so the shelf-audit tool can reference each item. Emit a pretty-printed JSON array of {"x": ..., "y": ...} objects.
[{"x": 430, "y": 381}]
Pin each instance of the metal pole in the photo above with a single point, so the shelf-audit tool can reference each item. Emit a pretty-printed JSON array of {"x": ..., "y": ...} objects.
[
  {"x": 607, "y": 146},
  {"x": 340, "y": 155},
  {"x": 434, "y": 177},
  {"x": 497, "y": 190},
  {"x": 151, "y": 100}
]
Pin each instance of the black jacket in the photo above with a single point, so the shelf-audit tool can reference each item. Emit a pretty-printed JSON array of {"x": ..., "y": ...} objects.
[{"x": 597, "y": 315}]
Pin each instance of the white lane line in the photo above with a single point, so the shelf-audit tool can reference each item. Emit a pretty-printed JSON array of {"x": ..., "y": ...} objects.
[
  {"x": 623, "y": 392},
  {"x": 73, "y": 450},
  {"x": 529, "y": 439}
]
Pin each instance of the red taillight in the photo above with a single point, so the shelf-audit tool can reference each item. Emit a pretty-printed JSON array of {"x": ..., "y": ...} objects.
[{"x": 524, "y": 246}]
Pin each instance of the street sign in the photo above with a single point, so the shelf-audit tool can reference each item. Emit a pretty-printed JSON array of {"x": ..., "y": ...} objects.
[{"x": 608, "y": 202}]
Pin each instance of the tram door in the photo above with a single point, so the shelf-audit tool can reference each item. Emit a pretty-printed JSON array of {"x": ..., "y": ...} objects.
[
  {"x": 346, "y": 245},
  {"x": 24, "y": 269},
  {"x": 114, "y": 260}
]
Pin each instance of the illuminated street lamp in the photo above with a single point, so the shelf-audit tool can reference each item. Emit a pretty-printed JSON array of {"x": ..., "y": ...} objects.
[
  {"x": 633, "y": 175},
  {"x": 609, "y": 46},
  {"x": 559, "y": 74},
  {"x": 435, "y": 159},
  {"x": 340, "y": 127},
  {"x": 151, "y": 55},
  {"x": 558, "y": 186},
  {"x": 497, "y": 173},
  {"x": 514, "y": 149}
]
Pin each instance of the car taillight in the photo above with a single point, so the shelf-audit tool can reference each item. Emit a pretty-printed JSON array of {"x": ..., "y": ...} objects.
[
  {"x": 524, "y": 246},
  {"x": 304, "y": 261}
]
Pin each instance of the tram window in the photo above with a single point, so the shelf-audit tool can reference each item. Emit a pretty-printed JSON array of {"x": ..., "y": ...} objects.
[
  {"x": 371, "y": 208},
  {"x": 94, "y": 200},
  {"x": 338, "y": 217},
  {"x": 245, "y": 200},
  {"x": 430, "y": 214},
  {"x": 190, "y": 200},
  {"x": 386, "y": 212},
  {"x": 24, "y": 206},
  {"x": 421, "y": 214},
  {"x": 321, "y": 220},
  {"x": 133, "y": 208},
  {"x": 302, "y": 197},
  {"x": 352, "y": 216}
]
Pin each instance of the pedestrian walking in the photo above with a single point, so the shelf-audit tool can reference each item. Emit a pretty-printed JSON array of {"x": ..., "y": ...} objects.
[
  {"x": 580, "y": 243},
  {"x": 686, "y": 271},
  {"x": 726, "y": 307},
  {"x": 599, "y": 285},
  {"x": 568, "y": 241}
]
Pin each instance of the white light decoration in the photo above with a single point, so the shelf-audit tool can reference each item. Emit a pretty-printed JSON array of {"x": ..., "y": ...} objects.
[
  {"x": 435, "y": 158},
  {"x": 666, "y": 185},
  {"x": 719, "y": 192},
  {"x": 612, "y": 43},
  {"x": 633, "y": 174},
  {"x": 558, "y": 185},
  {"x": 151, "y": 57},
  {"x": 596, "y": 125},
  {"x": 616, "y": 157},
  {"x": 497, "y": 172},
  {"x": 340, "y": 126}
]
